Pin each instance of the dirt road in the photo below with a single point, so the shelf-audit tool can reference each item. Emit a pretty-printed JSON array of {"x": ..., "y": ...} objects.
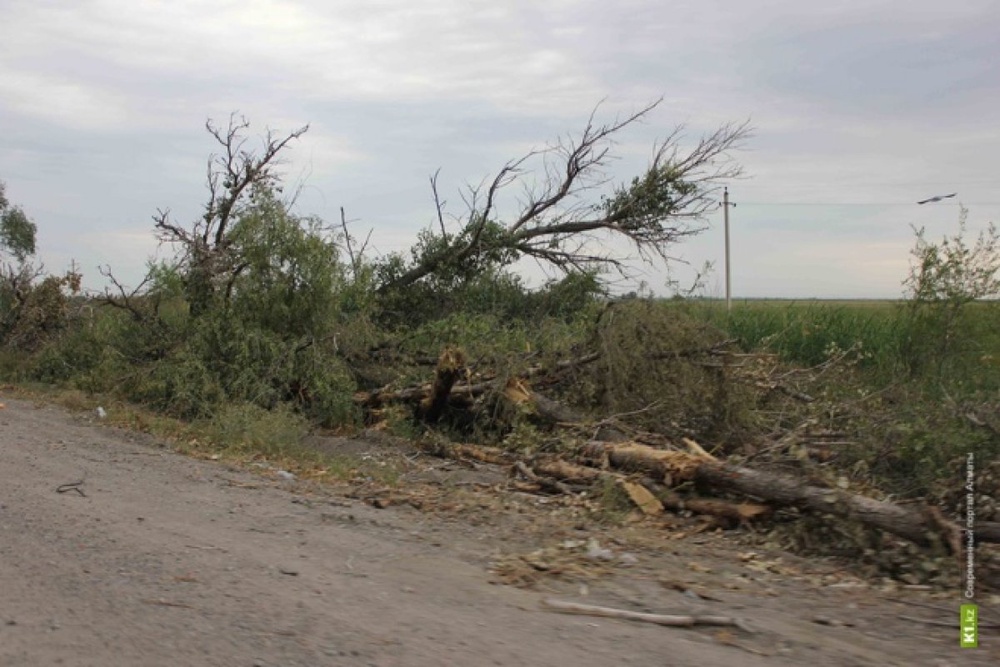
[{"x": 158, "y": 559}]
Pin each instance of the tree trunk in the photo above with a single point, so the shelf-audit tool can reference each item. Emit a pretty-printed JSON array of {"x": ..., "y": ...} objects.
[{"x": 916, "y": 526}]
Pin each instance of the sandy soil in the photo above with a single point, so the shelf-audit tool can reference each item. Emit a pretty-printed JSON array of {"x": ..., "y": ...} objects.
[{"x": 160, "y": 559}]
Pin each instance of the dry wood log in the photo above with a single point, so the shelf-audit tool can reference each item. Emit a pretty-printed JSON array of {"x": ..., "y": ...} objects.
[
  {"x": 647, "y": 503},
  {"x": 786, "y": 491},
  {"x": 663, "y": 465},
  {"x": 380, "y": 397},
  {"x": 949, "y": 531},
  {"x": 913, "y": 525},
  {"x": 550, "y": 413}
]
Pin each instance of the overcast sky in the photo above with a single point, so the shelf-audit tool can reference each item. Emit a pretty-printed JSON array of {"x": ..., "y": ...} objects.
[{"x": 859, "y": 107}]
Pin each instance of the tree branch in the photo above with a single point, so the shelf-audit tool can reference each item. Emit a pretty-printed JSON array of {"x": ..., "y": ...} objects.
[{"x": 659, "y": 208}]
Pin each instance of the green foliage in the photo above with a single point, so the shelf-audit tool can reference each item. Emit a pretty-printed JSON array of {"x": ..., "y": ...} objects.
[
  {"x": 494, "y": 292},
  {"x": 17, "y": 239},
  {"x": 490, "y": 254},
  {"x": 807, "y": 333},
  {"x": 903, "y": 427},
  {"x": 650, "y": 199},
  {"x": 945, "y": 278},
  {"x": 182, "y": 385},
  {"x": 288, "y": 272},
  {"x": 269, "y": 339},
  {"x": 17, "y": 231}
]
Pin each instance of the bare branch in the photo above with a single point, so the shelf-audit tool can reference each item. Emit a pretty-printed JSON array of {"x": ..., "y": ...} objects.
[
  {"x": 242, "y": 169},
  {"x": 124, "y": 300},
  {"x": 438, "y": 204},
  {"x": 347, "y": 241}
]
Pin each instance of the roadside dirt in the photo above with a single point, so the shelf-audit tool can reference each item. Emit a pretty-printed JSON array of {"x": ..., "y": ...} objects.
[{"x": 160, "y": 559}]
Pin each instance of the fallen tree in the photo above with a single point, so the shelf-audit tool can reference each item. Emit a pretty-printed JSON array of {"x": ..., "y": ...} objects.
[
  {"x": 555, "y": 224},
  {"x": 779, "y": 490},
  {"x": 608, "y": 453}
]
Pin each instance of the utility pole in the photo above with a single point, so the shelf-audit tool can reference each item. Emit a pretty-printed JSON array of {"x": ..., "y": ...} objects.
[{"x": 729, "y": 291}]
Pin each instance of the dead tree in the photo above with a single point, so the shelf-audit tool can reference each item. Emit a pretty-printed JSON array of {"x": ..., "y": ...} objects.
[{"x": 556, "y": 224}]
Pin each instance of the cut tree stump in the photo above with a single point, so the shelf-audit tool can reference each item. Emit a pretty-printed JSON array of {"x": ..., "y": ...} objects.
[{"x": 448, "y": 370}]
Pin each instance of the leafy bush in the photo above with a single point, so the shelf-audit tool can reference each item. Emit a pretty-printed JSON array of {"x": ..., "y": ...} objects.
[
  {"x": 40, "y": 311},
  {"x": 945, "y": 279}
]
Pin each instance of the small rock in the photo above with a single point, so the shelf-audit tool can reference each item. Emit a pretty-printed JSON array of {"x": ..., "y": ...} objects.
[
  {"x": 627, "y": 560},
  {"x": 101, "y": 412},
  {"x": 284, "y": 474},
  {"x": 291, "y": 572}
]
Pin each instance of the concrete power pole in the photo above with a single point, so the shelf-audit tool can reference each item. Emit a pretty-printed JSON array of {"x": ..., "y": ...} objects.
[{"x": 729, "y": 291}]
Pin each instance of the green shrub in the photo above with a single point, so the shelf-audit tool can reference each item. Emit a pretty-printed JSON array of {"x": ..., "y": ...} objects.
[{"x": 251, "y": 429}]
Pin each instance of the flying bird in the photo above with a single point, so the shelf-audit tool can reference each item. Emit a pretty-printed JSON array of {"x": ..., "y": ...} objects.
[{"x": 937, "y": 198}]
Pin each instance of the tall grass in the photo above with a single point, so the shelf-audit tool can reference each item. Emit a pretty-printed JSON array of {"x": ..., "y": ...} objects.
[
  {"x": 917, "y": 394},
  {"x": 808, "y": 333},
  {"x": 884, "y": 334}
]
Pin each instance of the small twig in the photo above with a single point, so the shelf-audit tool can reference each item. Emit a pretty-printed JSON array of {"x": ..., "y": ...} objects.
[
  {"x": 718, "y": 349},
  {"x": 658, "y": 619},
  {"x": 544, "y": 482},
  {"x": 71, "y": 486},
  {"x": 611, "y": 420}
]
